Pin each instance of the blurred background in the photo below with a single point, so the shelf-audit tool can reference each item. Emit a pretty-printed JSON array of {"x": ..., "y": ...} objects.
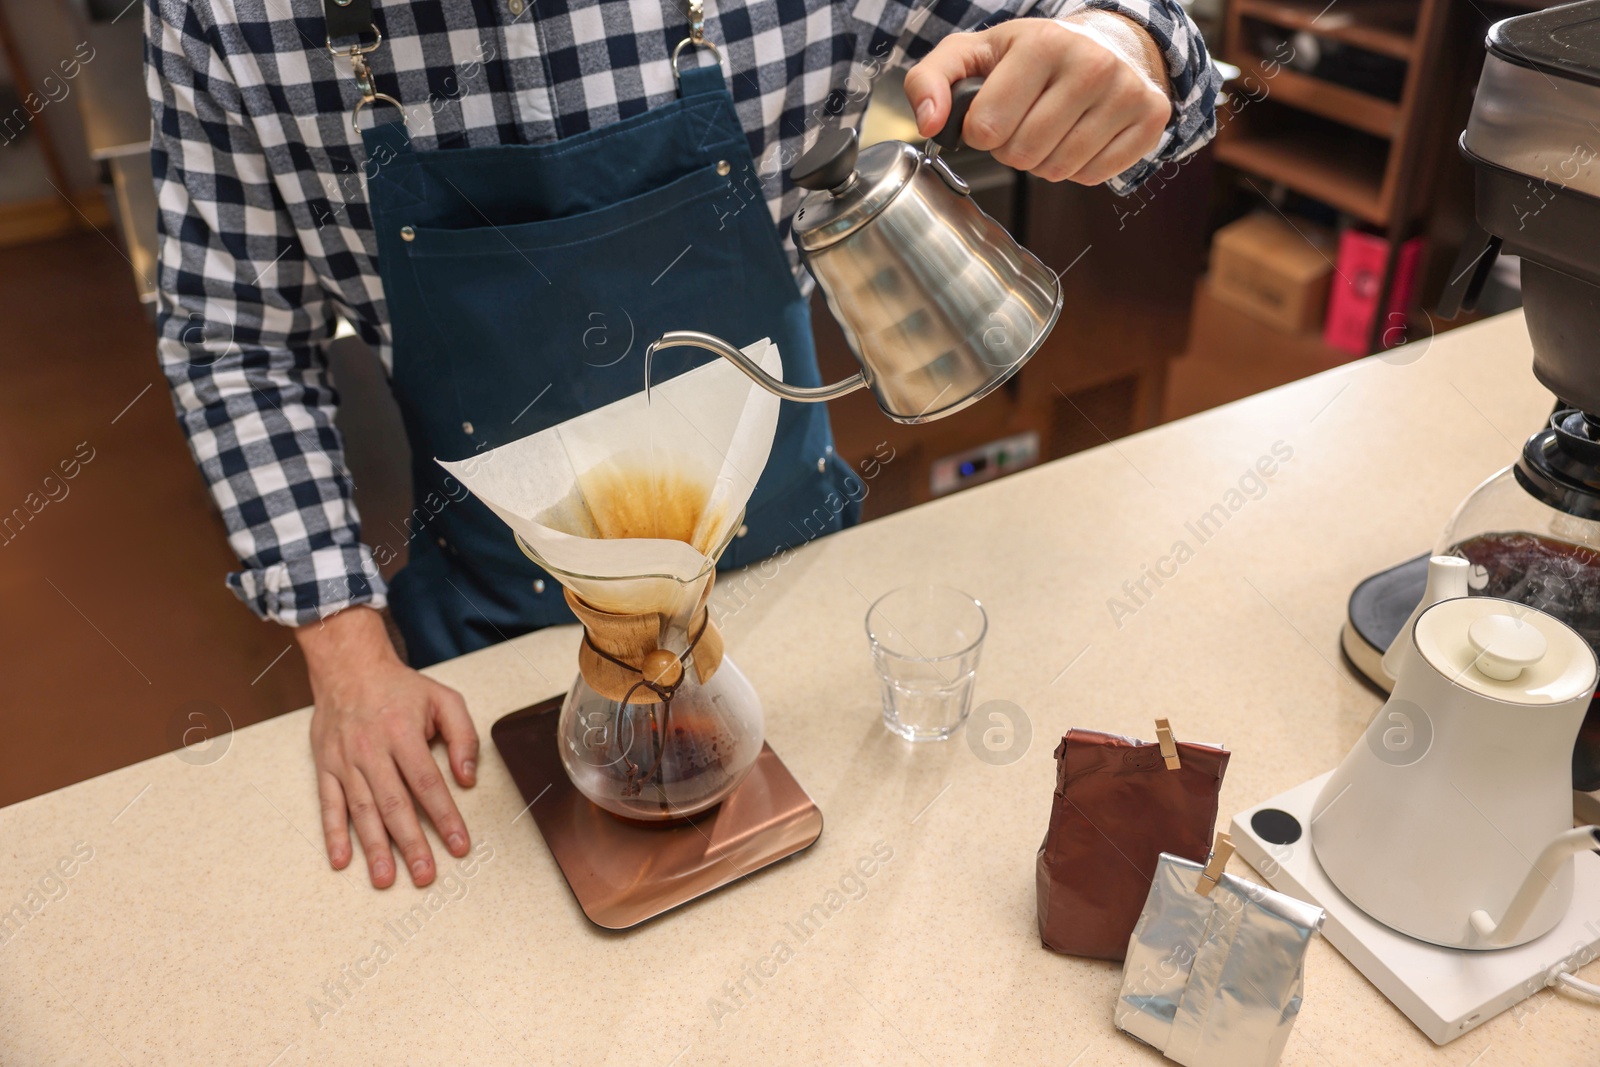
[{"x": 1317, "y": 229}]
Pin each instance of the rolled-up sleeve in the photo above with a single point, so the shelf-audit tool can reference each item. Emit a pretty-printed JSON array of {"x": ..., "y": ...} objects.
[
  {"x": 1195, "y": 82},
  {"x": 242, "y": 323}
]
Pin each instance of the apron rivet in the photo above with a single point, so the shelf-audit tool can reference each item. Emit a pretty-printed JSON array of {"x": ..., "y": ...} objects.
[
  {"x": 517, "y": 6},
  {"x": 466, "y": 428},
  {"x": 743, "y": 529},
  {"x": 407, "y": 233},
  {"x": 538, "y": 583},
  {"x": 822, "y": 463},
  {"x": 442, "y": 544},
  {"x": 723, "y": 168}
]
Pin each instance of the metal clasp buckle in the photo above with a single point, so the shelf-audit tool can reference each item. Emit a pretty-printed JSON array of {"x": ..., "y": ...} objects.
[
  {"x": 696, "y": 38},
  {"x": 357, "y": 55},
  {"x": 357, "y": 49}
]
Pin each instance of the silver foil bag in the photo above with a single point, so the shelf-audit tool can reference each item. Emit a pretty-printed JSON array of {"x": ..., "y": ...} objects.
[{"x": 1215, "y": 981}]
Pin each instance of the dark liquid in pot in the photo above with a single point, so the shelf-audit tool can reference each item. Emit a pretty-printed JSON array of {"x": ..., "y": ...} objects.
[
  {"x": 1557, "y": 577},
  {"x": 1560, "y": 579},
  {"x": 689, "y": 745}
]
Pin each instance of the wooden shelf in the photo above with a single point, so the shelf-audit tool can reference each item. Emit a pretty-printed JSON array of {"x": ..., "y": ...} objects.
[
  {"x": 1381, "y": 26},
  {"x": 1364, "y": 112},
  {"x": 1335, "y": 170}
]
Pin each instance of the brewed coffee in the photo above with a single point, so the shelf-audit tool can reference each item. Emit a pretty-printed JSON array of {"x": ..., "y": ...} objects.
[
  {"x": 626, "y": 757},
  {"x": 1554, "y": 576},
  {"x": 1557, "y": 577}
]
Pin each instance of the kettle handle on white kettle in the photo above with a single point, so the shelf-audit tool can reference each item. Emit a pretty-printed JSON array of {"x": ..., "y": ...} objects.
[{"x": 713, "y": 343}]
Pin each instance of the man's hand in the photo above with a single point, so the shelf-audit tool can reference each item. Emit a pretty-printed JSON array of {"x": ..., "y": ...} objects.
[
  {"x": 370, "y": 731},
  {"x": 1084, "y": 97}
]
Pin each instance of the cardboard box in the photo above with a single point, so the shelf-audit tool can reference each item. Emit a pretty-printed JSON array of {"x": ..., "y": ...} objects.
[{"x": 1273, "y": 271}]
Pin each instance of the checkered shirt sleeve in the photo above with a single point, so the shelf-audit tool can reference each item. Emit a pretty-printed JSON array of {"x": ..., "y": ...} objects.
[{"x": 242, "y": 321}]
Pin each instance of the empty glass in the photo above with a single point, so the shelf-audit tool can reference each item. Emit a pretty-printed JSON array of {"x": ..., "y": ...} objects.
[{"x": 925, "y": 643}]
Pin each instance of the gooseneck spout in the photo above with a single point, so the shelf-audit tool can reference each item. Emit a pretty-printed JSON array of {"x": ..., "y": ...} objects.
[
  {"x": 1545, "y": 868},
  {"x": 712, "y": 343}
]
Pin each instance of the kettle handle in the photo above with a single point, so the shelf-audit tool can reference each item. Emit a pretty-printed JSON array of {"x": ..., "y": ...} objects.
[
  {"x": 962, "y": 93},
  {"x": 830, "y": 162},
  {"x": 712, "y": 343}
]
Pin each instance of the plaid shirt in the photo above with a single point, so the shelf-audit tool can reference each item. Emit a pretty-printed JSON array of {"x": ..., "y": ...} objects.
[{"x": 266, "y": 239}]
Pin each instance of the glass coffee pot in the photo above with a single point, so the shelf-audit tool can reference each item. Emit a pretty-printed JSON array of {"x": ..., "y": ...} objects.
[
  {"x": 1531, "y": 533},
  {"x": 629, "y": 506},
  {"x": 659, "y": 724}
]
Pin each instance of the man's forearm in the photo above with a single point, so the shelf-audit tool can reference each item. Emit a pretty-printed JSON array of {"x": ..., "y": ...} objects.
[{"x": 346, "y": 640}]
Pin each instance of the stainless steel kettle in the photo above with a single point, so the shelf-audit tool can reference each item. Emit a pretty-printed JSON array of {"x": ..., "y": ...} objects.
[{"x": 937, "y": 301}]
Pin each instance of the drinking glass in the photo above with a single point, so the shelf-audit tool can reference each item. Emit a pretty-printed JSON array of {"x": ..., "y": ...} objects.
[{"x": 925, "y": 643}]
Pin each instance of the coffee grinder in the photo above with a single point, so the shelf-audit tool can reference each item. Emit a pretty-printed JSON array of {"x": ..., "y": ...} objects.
[{"x": 1530, "y": 534}]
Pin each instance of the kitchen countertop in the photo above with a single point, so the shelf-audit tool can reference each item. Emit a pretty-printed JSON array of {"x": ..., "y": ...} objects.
[{"x": 202, "y": 924}]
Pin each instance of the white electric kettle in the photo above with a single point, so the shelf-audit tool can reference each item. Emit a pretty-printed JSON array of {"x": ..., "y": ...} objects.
[{"x": 1451, "y": 819}]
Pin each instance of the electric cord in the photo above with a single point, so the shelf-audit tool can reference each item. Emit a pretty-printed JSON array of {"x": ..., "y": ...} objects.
[{"x": 1573, "y": 982}]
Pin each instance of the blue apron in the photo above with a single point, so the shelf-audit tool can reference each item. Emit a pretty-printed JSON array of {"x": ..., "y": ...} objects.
[{"x": 523, "y": 283}]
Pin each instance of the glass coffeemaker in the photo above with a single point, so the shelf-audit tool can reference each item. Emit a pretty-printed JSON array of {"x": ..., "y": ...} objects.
[{"x": 1532, "y": 530}]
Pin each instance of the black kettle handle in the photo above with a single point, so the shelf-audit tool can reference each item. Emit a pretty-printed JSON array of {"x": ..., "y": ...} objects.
[
  {"x": 962, "y": 93},
  {"x": 831, "y": 159}
]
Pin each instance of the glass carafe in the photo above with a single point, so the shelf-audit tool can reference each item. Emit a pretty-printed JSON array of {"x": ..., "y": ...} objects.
[
  {"x": 666, "y": 753},
  {"x": 1532, "y": 535}
]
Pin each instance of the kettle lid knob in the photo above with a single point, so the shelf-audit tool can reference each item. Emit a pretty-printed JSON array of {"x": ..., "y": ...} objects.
[
  {"x": 828, "y": 163},
  {"x": 1505, "y": 646}
]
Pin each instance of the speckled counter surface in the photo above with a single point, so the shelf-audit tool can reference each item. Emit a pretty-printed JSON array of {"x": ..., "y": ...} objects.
[{"x": 206, "y": 927}]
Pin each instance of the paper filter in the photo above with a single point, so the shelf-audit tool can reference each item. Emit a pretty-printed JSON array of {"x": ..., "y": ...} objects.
[{"x": 630, "y": 504}]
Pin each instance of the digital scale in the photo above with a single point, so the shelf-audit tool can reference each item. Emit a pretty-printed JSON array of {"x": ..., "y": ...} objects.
[
  {"x": 623, "y": 872},
  {"x": 1446, "y": 992}
]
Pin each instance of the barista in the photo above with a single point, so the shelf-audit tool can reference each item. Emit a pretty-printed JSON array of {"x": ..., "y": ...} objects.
[{"x": 524, "y": 203}]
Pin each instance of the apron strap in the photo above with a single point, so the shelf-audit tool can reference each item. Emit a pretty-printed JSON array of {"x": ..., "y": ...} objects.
[
  {"x": 347, "y": 18},
  {"x": 706, "y": 79},
  {"x": 384, "y": 139}
]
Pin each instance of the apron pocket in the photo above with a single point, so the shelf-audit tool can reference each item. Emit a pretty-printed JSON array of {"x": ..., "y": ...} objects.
[
  {"x": 540, "y": 321},
  {"x": 551, "y": 235}
]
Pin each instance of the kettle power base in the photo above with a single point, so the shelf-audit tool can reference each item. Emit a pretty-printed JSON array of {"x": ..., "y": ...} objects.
[
  {"x": 1446, "y": 992},
  {"x": 624, "y": 873}
]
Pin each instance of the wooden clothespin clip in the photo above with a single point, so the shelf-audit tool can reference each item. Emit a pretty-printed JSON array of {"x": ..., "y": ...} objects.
[
  {"x": 1220, "y": 852},
  {"x": 1169, "y": 746}
]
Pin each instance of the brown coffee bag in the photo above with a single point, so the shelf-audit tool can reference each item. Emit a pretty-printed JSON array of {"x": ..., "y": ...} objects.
[{"x": 1116, "y": 809}]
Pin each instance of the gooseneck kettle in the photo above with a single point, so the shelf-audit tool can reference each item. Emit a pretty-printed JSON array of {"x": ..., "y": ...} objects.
[
  {"x": 937, "y": 301},
  {"x": 1451, "y": 819}
]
